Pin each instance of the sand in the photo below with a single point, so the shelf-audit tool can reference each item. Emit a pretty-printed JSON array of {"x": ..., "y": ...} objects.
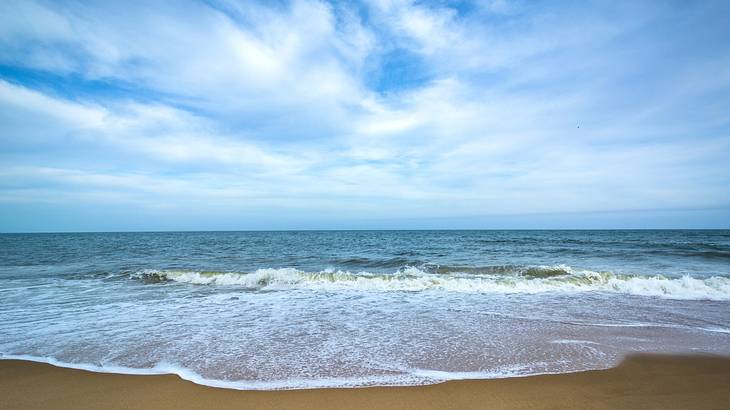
[{"x": 639, "y": 382}]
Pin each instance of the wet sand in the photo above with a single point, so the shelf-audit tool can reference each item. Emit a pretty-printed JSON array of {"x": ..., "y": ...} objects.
[{"x": 648, "y": 381}]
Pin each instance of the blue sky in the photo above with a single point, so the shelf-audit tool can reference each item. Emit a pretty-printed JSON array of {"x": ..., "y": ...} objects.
[{"x": 380, "y": 114}]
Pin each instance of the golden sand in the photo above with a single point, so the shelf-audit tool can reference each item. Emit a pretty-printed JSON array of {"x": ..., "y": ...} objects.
[{"x": 666, "y": 382}]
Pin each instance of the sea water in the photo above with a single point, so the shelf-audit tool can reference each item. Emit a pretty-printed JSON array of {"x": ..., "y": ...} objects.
[{"x": 273, "y": 310}]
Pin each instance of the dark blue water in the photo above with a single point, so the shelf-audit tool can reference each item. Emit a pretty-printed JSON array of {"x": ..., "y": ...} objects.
[
  {"x": 703, "y": 253},
  {"x": 305, "y": 309}
]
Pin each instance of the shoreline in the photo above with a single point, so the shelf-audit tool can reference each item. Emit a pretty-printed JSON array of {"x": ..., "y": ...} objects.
[
  {"x": 645, "y": 381},
  {"x": 198, "y": 380}
]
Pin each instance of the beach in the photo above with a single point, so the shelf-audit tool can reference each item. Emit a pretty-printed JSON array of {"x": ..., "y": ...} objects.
[
  {"x": 320, "y": 204},
  {"x": 640, "y": 381}
]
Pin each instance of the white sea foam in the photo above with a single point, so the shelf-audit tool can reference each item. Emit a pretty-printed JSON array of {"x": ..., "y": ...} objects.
[
  {"x": 409, "y": 377},
  {"x": 414, "y": 279}
]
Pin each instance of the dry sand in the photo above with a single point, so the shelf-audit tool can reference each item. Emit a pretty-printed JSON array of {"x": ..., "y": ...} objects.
[{"x": 682, "y": 382}]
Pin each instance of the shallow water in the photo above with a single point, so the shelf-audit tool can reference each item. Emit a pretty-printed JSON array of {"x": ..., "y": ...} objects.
[{"x": 264, "y": 310}]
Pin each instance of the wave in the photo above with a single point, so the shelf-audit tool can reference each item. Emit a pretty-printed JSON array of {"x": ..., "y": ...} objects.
[
  {"x": 718, "y": 254},
  {"x": 527, "y": 280},
  {"x": 404, "y": 377},
  {"x": 375, "y": 263},
  {"x": 530, "y": 271}
]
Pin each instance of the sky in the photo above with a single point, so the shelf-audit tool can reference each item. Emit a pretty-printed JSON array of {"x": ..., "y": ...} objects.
[{"x": 382, "y": 114}]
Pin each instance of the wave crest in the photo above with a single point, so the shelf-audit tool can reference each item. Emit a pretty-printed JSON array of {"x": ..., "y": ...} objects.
[{"x": 531, "y": 280}]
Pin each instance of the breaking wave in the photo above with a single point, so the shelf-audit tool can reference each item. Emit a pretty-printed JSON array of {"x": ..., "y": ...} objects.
[{"x": 501, "y": 280}]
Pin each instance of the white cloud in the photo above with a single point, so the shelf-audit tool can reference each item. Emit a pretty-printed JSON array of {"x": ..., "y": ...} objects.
[
  {"x": 18, "y": 100},
  {"x": 160, "y": 132}
]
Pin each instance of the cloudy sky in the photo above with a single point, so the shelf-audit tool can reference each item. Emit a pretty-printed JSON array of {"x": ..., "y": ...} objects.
[{"x": 380, "y": 114}]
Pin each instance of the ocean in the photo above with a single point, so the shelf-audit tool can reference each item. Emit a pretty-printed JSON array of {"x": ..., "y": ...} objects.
[{"x": 282, "y": 310}]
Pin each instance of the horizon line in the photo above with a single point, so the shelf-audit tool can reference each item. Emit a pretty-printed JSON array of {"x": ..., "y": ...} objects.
[{"x": 362, "y": 230}]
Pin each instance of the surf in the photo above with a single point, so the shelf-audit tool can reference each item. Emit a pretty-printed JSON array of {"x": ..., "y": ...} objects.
[{"x": 527, "y": 280}]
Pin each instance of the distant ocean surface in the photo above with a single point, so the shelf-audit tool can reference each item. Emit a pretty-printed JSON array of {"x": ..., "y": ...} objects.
[{"x": 272, "y": 310}]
